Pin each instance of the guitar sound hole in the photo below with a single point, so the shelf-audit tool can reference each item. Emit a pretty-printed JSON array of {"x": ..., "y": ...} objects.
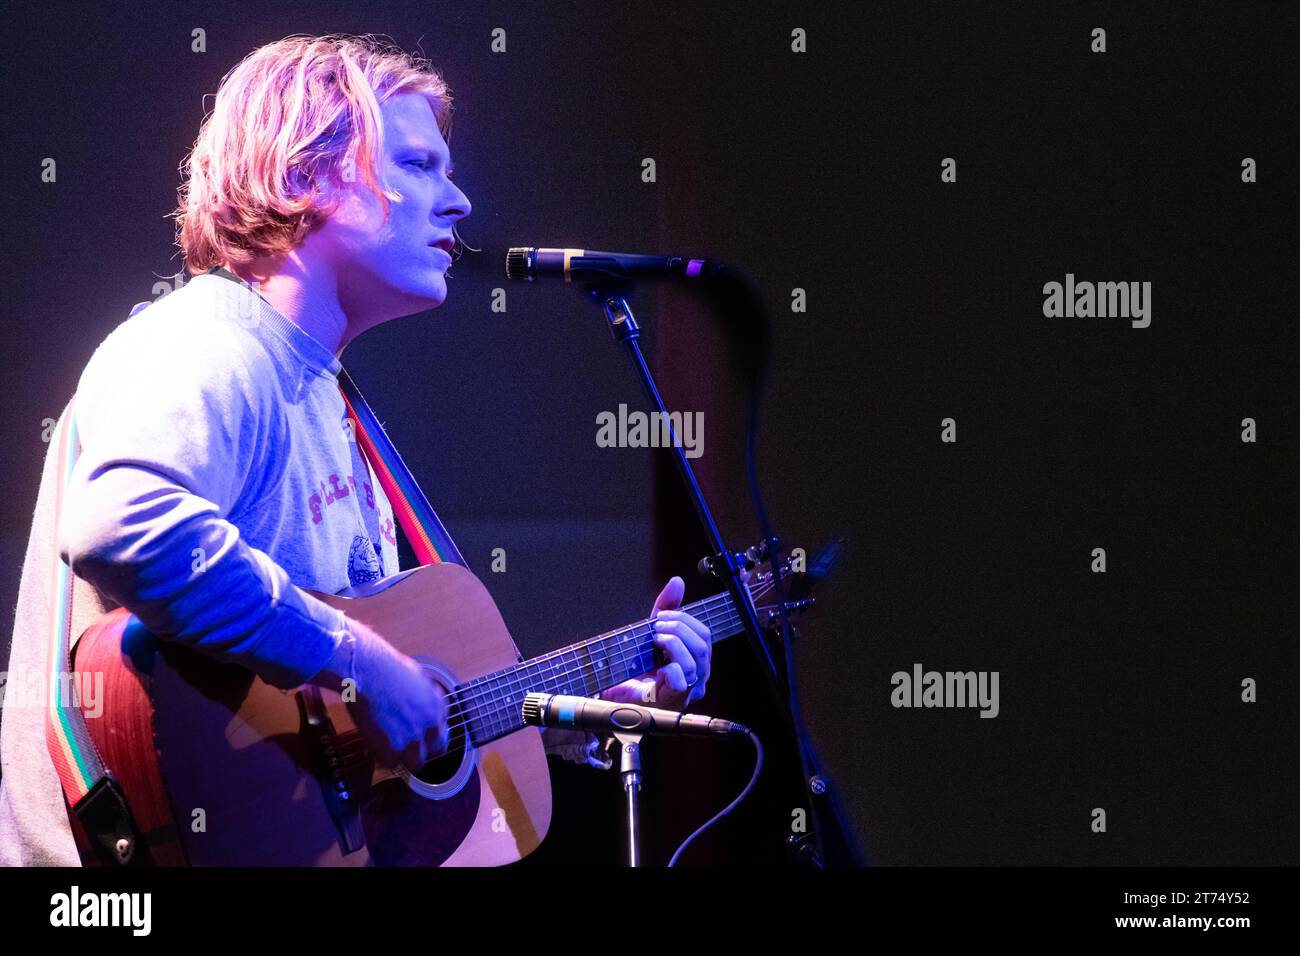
[{"x": 441, "y": 769}]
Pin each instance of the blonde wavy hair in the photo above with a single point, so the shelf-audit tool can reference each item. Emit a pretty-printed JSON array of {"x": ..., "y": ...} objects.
[{"x": 292, "y": 117}]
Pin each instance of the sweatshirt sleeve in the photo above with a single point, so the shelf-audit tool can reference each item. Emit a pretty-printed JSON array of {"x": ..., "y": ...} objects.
[{"x": 173, "y": 421}]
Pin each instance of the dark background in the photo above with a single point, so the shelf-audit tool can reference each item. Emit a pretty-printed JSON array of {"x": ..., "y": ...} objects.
[{"x": 819, "y": 171}]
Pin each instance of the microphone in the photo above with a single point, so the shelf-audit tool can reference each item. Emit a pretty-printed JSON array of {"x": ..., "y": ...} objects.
[
  {"x": 604, "y": 717},
  {"x": 528, "y": 264}
]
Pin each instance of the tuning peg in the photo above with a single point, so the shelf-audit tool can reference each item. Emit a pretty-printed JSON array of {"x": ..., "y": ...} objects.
[
  {"x": 767, "y": 549},
  {"x": 790, "y": 608},
  {"x": 712, "y": 566}
]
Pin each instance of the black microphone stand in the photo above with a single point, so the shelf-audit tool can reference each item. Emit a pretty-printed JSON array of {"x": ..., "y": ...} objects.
[
  {"x": 834, "y": 842},
  {"x": 629, "y": 768}
]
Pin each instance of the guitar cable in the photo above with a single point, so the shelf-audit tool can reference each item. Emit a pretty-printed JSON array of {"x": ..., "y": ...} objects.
[{"x": 758, "y": 766}]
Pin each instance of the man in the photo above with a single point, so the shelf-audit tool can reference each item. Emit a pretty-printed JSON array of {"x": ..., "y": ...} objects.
[{"x": 218, "y": 477}]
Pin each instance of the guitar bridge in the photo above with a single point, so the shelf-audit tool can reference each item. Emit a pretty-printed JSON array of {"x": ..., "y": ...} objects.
[{"x": 330, "y": 753}]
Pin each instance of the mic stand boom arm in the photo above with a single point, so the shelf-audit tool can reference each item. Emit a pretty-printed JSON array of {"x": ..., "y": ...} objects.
[{"x": 624, "y": 328}]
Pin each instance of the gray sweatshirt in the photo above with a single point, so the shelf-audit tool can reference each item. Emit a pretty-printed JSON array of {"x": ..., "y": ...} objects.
[{"x": 217, "y": 479}]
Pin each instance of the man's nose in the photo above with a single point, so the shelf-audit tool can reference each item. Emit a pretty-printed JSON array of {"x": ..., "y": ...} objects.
[{"x": 455, "y": 204}]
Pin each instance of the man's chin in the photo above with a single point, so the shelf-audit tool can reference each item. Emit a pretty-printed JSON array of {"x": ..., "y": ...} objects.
[
  {"x": 391, "y": 298},
  {"x": 425, "y": 297}
]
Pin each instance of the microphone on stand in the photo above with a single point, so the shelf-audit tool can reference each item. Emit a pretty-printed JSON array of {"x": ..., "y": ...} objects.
[
  {"x": 606, "y": 717},
  {"x": 529, "y": 263}
]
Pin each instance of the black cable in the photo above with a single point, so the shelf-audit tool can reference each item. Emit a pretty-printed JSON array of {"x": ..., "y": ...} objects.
[
  {"x": 758, "y": 766},
  {"x": 752, "y": 333}
]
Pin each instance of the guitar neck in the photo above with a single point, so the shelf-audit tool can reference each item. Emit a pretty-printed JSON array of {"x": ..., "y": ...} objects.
[{"x": 491, "y": 705}]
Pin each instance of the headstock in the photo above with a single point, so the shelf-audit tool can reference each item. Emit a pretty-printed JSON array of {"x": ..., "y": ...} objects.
[{"x": 797, "y": 577}]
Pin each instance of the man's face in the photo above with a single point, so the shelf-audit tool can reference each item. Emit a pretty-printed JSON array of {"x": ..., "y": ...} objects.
[{"x": 393, "y": 268}]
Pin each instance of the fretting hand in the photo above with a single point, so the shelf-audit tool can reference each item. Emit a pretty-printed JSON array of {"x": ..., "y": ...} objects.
[{"x": 686, "y": 643}]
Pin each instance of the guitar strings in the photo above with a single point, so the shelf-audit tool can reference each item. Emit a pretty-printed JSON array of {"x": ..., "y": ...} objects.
[
  {"x": 701, "y": 611},
  {"x": 706, "y": 608},
  {"x": 485, "y": 702},
  {"x": 493, "y": 697},
  {"x": 491, "y": 684},
  {"x": 495, "y": 725},
  {"x": 487, "y": 705},
  {"x": 493, "y": 708},
  {"x": 491, "y": 701},
  {"x": 633, "y": 650}
]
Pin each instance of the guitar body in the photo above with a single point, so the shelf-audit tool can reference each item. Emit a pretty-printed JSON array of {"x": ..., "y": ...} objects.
[{"x": 221, "y": 769}]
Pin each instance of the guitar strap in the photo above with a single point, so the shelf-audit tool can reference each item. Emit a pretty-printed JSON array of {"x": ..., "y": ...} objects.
[
  {"x": 91, "y": 792},
  {"x": 429, "y": 539},
  {"x": 88, "y": 787}
]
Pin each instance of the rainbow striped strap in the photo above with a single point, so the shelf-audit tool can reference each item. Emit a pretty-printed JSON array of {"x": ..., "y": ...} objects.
[
  {"x": 429, "y": 539},
  {"x": 71, "y": 749},
  {"x": 88, "y": 787}
]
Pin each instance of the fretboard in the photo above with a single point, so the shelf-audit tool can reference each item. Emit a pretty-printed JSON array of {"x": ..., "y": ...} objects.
[{"x": 491, "y": 705}]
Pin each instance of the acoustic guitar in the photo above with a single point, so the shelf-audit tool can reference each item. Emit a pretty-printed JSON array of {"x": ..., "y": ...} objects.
[{"x": 219, "y": 768}]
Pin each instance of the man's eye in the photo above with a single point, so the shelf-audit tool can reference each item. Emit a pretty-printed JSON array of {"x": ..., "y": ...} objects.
[{"x": 425, "y": 165}]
